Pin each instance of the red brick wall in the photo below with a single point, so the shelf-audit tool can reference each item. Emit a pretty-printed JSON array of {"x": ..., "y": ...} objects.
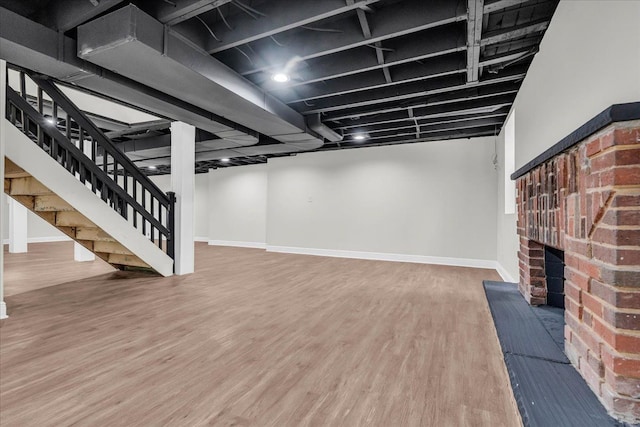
[{"x": 586, "y": 201}]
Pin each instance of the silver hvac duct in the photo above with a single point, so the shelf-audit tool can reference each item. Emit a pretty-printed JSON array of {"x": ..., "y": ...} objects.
[
  {"x": 135, "y": 45},
  {"x": 35, "y": 47}
]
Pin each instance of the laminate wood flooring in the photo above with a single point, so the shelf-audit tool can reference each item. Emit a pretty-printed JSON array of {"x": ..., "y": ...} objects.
[
  {"x": 46, "y": 264},
  {"x": 257, "y": 339}
]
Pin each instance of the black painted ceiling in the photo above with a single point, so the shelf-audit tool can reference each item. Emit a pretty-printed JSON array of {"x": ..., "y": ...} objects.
[{"x": 396, "y": 71}]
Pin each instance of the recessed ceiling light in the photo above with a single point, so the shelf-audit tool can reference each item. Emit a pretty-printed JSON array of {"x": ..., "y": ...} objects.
[
  {"x": 152, "y": 167},
  {"x": 280, "y": 77},
  {"x": 359, "y": 137},
  {"x": 224, "y": 160}
]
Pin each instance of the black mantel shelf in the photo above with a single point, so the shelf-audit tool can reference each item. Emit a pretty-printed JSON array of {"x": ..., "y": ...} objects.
[{"x": 615, "y": 113}]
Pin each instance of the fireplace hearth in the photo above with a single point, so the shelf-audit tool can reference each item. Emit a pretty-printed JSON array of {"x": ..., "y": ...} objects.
[{"x": 579, "y": 227}]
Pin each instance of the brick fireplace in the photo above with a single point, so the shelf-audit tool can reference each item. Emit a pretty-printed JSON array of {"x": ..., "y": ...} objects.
[{"x": 582, "y": 197}]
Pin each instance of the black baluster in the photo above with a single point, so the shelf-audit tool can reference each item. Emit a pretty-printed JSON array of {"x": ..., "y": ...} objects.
[
  {"x": 171, "y": 224},
  {"x": 135, "y": 197},
  {"x": 40, "y": 101},
  {"x": 23, "y": 86}
]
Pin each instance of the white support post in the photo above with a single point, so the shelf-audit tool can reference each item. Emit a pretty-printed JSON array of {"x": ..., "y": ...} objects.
[
  {"x": 3, "y": 104},
  {"x": 82, "y": 254},
  {"x": 17, "y": 227},
  {"x": 183, "y": 137}
]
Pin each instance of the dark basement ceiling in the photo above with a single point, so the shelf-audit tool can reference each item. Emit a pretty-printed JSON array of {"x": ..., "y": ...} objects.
[{"x": 396, "y": 71}]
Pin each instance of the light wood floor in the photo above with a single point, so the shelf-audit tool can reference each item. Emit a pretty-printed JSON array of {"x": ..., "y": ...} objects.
[
  {"x": 256, "y": 338},
  {"x": 46, "y": 264}
]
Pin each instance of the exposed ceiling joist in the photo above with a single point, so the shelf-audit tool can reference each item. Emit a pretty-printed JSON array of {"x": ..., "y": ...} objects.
[
  {"x": 435, "y": 136},
  {"x": 366, "y": 32},
  {"x": 398, "y": 70},
  {"x": 492, "y": 6},
  {"x": 406, "y": 17},
  {"x": 176, "y": 11},
  {"x": 380, "y": 57},
  {"x": 474, "y": 35},
  {"x": 443, "y": 67},
  {"x": 426, "y": 45},
  {"x": 63, "y": 15},
  {"x": 411, "y": 91},
  {"x": 514, "y": 32},
  {"x": 442, "y": 99},
  {"x": 421, "y": 121},
  {"x": 362, "y": 18},
  {"x": 465, "y": 106},
  {"x": 418, "y": 127},
  {"x": 422, "y": 130},
  {"x": 279, "y": 16}
]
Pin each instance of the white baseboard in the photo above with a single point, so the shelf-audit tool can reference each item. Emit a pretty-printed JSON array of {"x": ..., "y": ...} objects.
[
  {"x": 201, "y": 239},
  {"x": 237, "y": 244},
  {"x": 378, "y": 256},
  {"x": 48, "y": 239},
  {"x": 3, "y": 310},
  {"x": 43, "y": 239},
  {"x": 504, "y": 273}
]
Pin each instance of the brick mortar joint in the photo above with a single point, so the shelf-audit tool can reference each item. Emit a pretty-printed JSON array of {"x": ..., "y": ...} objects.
[{"x": 613, "y": 148}]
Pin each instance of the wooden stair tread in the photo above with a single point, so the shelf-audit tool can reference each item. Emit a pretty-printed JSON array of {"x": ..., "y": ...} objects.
[
  {"x": 51, "y": 202},
  {"x": 93, "y": 233},
  {"x": 11, "y": 170},
  {"x": 73, "y": 219},
  {"x": 130, "y": 260},
  {"x": 34, "y": 195},
  {"x": 110, "y": 247},
  {"x": 28, "y": 186}
]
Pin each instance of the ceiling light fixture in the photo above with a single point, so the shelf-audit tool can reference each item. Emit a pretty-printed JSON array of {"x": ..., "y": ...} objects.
[
  {"x": 280, "y": 77},
  {"x": 51, "y": 121},
  {"x": 152, "y": 167},
  {"x": 359, "y": 137},
  {"x": 224, "y": 160}
]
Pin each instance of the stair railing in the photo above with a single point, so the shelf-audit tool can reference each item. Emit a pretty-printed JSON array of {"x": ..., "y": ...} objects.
[{"x": 78, "y": 145}]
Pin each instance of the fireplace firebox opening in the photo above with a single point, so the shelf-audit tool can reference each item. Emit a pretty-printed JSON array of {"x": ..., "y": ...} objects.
[{"x": 554, "y": 275}]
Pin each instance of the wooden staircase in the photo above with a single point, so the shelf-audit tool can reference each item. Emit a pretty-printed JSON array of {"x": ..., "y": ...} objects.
[{"x": 36, "y": 197}]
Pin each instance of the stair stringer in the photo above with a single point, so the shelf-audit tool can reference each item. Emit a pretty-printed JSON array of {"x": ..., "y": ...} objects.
[{"x": 25, "y": 153}]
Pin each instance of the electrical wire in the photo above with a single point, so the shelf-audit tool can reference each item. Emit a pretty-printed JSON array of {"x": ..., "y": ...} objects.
[
  {"x": 276, "y": 41},
  {"x": 246, "y": 56},
  {"x": 322, "y": 30},
  {"x": 223, "y": 18},
  {"x": 207, "y": 27},
  {"x": 247, "y": 9}
]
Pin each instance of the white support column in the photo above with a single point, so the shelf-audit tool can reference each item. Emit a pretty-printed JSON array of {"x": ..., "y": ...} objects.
[
  {"x": 183, "y": 137},
  {"x": 3, "y": 103},
  {"x": 82, "y": 254},
  {"x": 17, "y": 227}
]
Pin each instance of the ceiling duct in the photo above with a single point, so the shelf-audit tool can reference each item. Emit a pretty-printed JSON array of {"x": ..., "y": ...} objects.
[
  {"x": 35, "y": 47},
  {"x": 315, "y": 123},
  {"x": 135, "y": 45}
]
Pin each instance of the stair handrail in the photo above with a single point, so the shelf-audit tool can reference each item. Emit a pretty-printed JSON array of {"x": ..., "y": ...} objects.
[
  {"x": 80, "y": 117},
  {"x": 60, "y": 99}
]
